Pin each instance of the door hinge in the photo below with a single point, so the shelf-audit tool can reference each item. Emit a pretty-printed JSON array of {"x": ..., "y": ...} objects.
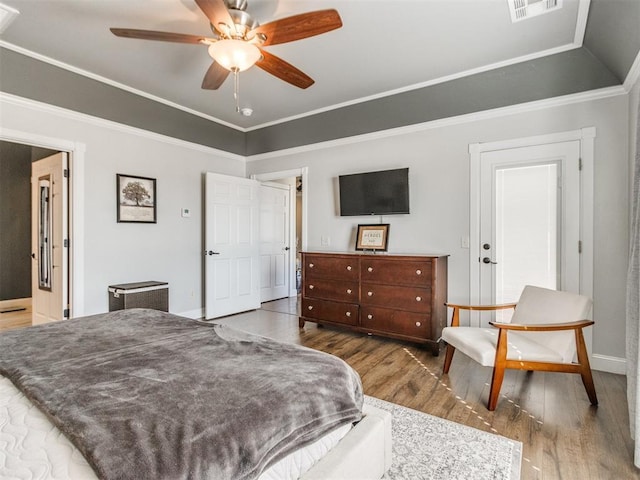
[
  {"x": 66, "y": 243},
  {"x": 65, "y": 173},
  {"x": 65, "y": 313},
  {"x": 579, "y": 246},
  {"x": 580, "y": 164}
]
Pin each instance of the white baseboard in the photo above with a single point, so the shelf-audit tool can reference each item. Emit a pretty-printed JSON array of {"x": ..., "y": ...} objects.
[
  {"x": 605, "y": 363},
  {"x": 196, "y": 314}
]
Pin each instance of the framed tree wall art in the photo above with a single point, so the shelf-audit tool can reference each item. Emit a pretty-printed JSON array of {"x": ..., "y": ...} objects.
[{"x": 136, "y": 197}]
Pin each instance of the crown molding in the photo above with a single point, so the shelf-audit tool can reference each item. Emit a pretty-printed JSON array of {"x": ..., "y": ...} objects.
[
  {"x": 445, "y": 122},
  {"x": 101, "y": 122}
]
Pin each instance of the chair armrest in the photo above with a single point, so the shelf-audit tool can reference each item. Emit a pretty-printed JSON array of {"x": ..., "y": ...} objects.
[
  {"x": 455, "y": 318},
  {"x": 481, "y": 307},
  {"x": 543, "y": 327}
]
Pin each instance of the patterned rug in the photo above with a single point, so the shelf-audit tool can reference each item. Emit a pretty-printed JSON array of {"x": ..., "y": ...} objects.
[{"x": 428, "y": 447}]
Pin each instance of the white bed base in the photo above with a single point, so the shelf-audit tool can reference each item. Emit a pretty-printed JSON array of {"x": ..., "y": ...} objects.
[{"x": 363, "y": 454}]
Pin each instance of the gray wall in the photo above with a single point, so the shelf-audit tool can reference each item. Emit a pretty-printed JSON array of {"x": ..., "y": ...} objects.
[{"x": 15, "y": 221}]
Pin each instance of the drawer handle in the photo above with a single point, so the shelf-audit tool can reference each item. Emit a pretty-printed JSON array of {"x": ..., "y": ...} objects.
[
  {"x": 349, "y": 267},
  {"x": 370, "y": 294},
  {"x": 310, "y": 307},
  {"x": 310, "y": 287},
  {"x": 370, "y": 269},
  {"x": 418, "y": 272},
  {"x": 418, "y": 299},
  {"x": 418, "y": 324},
  {"x": 348, "y": 314},
  {"x": 369, "y": 316},
  {"x": 311, "y": 265},
  {"x": 349, "y": 291}
]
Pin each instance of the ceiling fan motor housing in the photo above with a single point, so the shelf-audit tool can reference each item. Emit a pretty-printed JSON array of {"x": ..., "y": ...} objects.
[
  {"x": 236, "y": 4},
  {"x": 244, "y": 22}
]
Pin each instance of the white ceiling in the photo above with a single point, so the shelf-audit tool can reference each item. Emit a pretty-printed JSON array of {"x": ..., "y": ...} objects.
[{"x": 383, "y": 47}]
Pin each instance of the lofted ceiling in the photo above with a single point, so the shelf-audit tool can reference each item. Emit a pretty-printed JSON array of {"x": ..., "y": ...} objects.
[{"x": 384, "y": 47}]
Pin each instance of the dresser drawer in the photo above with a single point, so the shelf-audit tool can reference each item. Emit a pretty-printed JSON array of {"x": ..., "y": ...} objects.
[
  {"x": 396, "y": 321},
  {"x": 345, "y": 313},
  {"x": 404, "y": 298},
  {"x": 339, "y": 268},
  {"x": 404, "y": 272},
  {"x": 331, "y": 290}
]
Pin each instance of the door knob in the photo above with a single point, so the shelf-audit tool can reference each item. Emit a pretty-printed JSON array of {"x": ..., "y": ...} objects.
[
  {"x": 211, "y": 252},
  {"x": 488, "y": 260},
  {"x": 287, "y": 249}
]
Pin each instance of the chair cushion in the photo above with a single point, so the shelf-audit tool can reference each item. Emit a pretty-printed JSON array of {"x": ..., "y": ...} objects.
[
  {"x": 480, "y": 345},
  {"x": 540, "y": 305}
]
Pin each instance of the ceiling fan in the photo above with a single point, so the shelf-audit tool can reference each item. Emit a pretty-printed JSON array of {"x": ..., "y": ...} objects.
[{"x": 237, "y": 40}]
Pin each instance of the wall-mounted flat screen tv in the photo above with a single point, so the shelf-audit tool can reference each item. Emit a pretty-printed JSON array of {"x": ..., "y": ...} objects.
[{"x": 375, "y": 193}]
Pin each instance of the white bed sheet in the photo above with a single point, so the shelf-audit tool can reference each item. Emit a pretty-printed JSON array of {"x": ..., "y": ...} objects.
[{"x": 31, "y": 447}]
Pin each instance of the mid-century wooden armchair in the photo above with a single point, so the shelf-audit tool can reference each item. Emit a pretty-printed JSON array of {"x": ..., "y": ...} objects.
[{"x": 545, "y": 333}]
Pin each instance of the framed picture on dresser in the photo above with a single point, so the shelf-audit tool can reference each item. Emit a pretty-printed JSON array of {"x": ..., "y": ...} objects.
[{"x": 373, "y": 237}]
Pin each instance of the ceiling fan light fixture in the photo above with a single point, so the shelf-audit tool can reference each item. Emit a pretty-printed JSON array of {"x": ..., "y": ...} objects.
[{"x": 235, "y": 55}]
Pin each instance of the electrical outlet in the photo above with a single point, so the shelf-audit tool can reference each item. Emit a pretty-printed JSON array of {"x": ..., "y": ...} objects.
[
  {"x": 325, "y": 241},
  {"x": 464, "y": 242}
]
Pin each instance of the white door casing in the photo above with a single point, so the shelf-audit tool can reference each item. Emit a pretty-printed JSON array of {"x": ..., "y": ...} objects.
[
  {"x": 274, "y": 241},
  {"x": 573, "y": 152},
  {"x": 232, "y": 266},
  {"x": 49, "y": 231}
]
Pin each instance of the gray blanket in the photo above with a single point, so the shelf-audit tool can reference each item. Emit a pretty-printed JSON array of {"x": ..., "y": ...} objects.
[{"x": 147, "y": 394}]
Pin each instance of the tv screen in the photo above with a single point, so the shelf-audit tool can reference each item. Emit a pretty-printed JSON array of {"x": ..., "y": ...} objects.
[{"x": 375, "y": 193}]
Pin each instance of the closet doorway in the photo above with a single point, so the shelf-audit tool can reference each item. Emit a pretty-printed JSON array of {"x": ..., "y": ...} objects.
[{"x": 16, "y": 238}]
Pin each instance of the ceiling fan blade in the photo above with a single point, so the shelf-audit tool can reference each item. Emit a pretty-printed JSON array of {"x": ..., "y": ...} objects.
[
  {"x": 298, "y": 26},
  {"x": 283, "y": 70},
  {"x": 217, "y": 13},
  {"x": 215, "y": 76},
  {"x": 162, "y": 36}
]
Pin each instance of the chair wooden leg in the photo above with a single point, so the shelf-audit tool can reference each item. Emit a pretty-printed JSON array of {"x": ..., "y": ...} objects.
[
  {"x": 448, "y": 357},
  {"x": 498, "y": 370},
  {"x": 585, "y": 368},
  {"x": 496, "y": 385}
]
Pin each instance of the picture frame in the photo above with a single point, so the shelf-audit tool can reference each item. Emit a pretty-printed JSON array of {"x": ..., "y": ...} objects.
[
  {"x": 373, "y": 237},
  {"x": 136, "y": 199}
]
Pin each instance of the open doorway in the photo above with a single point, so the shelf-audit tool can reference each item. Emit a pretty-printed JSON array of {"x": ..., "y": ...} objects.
[
  {"x": 296, "y": 179},
  {"x": 16, "y": 232}
]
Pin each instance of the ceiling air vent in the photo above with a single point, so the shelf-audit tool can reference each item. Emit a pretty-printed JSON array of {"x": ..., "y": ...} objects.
[{"x": 523, "y": 9}]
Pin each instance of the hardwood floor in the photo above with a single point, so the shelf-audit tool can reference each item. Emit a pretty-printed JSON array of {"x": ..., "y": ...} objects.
[
  {"x": 15, "y": 314},
  {"x": 563, "y": 436}
]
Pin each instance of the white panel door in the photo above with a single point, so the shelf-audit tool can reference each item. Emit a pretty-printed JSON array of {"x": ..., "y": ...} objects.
[
  {"x": 232, "y": 265},
  {"x": 49, "y": 230},
  {"x": 529, "y": 222},
  {"x": 274, "y": 241}
]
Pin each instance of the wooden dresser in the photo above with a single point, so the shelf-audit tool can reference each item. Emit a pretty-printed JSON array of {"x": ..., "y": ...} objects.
[{"x": 398, "y": 296}]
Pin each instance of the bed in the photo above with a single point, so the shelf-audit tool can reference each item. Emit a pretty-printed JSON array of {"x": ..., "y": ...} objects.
[{"x": 146, "y": 394}]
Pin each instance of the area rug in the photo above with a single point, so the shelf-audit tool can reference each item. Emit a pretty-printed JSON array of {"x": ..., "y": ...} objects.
[{"x": 428, "y": 447}]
